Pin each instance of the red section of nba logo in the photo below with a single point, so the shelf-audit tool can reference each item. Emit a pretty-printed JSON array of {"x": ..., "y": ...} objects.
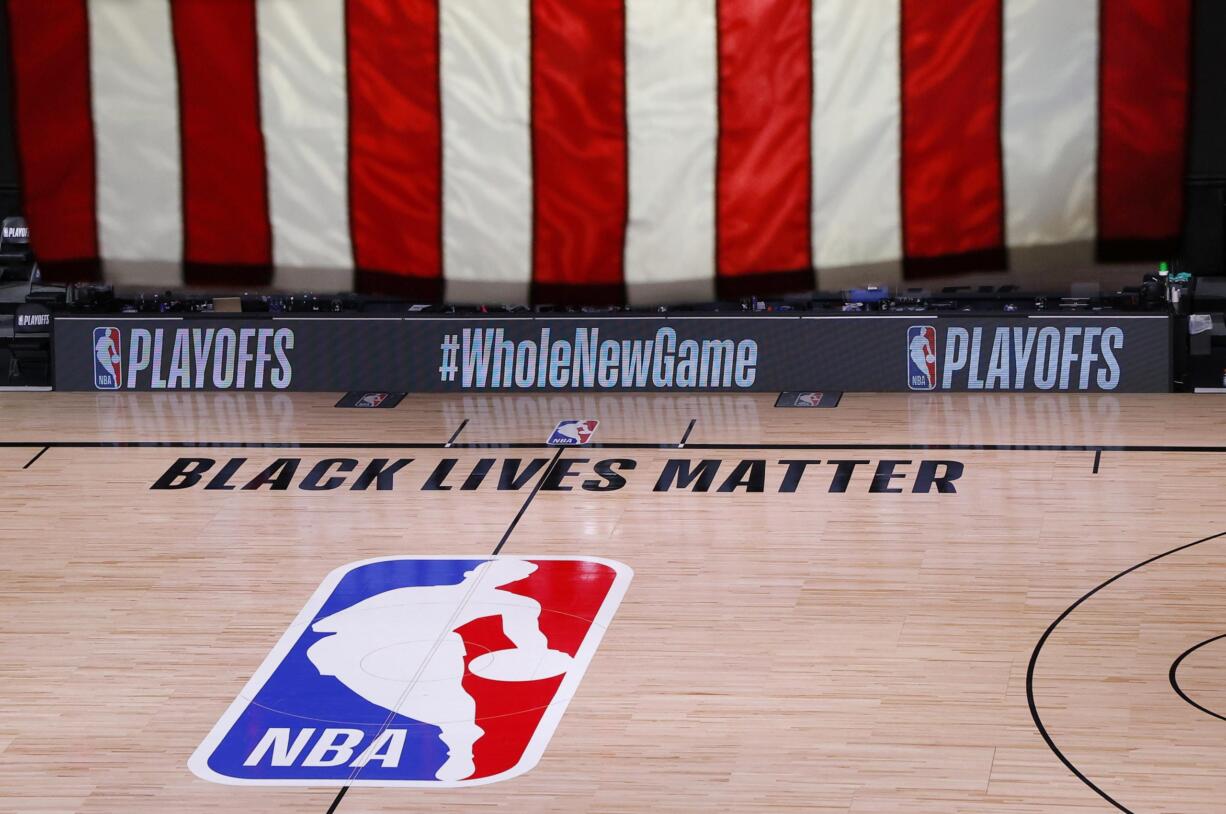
[
  {"x": 570, "y": 592},
  {"x": 921, "y": 357}
]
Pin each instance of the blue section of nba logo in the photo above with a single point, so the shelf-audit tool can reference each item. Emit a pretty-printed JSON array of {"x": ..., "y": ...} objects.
[
  {"x": 108, "y": 364},
  {"x": 921, "y": 357},
  {"x": 281, "y": 733}
]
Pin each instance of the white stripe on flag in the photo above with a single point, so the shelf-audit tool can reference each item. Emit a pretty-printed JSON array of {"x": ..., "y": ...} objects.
[
  {"x": 1050, "y": 124},
  {"x": 136, "y": 129},
  {"x": 856, "y": 207},
  {"x": 671, "y": 108},
  {"x": 487, "y": 162},
  {"x": 304, "y": 108}
]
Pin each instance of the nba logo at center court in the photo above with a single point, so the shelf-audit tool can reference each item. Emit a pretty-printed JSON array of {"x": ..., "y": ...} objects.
[
  {"x": 922, "y": 357},
  {"x": 108, "y": 365},
  {"x": 418, "y": 671}
]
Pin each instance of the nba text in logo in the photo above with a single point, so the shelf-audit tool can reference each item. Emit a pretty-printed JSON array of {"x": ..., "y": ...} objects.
[
  {"x": 372, "y": 399},
  {"x": 922, "y": 357},
  {"x": 108, "y": 365},
  {"x": 418, "y": 671},
  {"x": 572, "y": 433}
]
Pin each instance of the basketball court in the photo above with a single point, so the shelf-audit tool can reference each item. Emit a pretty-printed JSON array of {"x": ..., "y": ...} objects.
[{"x": 921, "y": 603}]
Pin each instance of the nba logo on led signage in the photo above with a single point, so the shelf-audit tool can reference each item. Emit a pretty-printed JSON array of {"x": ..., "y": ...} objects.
[
  {"x": 418, "y": 671},
  {"x": 108, "y": 364},
  {"x": 922, "y": 357}
]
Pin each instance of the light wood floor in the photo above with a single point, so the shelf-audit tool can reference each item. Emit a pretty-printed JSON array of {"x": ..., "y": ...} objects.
[{"x": 800, "y": 651}]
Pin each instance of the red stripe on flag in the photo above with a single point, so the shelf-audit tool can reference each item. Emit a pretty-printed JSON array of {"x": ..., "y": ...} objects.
[
  {"x": 1143, "y": 120},
  {"x": 765, "y": 150},
  {"x": 578, "y": 149},
  {"x": 952, "y": 170},
  {"x": 395, "y": 145},
  {"x": 49, "y": 42},
  {"x": 226, "y": 231}
]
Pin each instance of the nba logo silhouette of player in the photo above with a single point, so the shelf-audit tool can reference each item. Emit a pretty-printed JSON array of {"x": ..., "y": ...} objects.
[
  {"x": 107, "y": 368},
  {"x": 572, "y": 433},
  {"x": 419, "y": 671},
  {"x": 922, "y": 357},
  {"x": 420, "y": 675}
]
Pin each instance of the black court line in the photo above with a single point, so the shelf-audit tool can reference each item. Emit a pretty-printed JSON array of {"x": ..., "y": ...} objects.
[
  {"x": 30, "y": 462},
  {"x": 1034, "y": 659},
  {"x": 627, "y": 445},
  {"x": 340, "y": 795},
  {"x": 535, "y": 488},
  {"x": 1098, "y": 456},
  {"x": 689, "y": 429},
  {"x": 456, "y": 434},
  {"x": 1174, "y": 677}
]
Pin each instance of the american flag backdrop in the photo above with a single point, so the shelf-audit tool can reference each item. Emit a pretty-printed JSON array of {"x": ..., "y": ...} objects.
[{"x": 591, "y": 149}]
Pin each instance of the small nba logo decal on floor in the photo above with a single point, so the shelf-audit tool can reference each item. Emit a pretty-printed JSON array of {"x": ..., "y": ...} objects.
[
  {"x": 572, "y": 432},
  {"x": 419, "y": 672}
]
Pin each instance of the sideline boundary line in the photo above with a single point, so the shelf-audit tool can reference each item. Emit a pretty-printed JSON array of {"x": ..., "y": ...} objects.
[{"x": 619, "y": 445}]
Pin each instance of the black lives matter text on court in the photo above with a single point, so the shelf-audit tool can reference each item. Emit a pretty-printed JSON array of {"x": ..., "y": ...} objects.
[{"x": 692, "y": 475}]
